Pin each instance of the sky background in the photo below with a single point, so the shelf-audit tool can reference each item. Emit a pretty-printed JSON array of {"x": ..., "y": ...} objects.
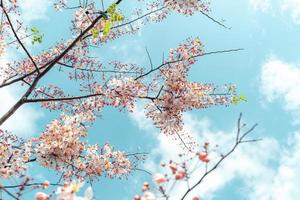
[{"x": 267, "y": 71}]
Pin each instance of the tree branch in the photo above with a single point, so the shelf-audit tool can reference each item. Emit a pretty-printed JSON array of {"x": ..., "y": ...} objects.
[
  {"x": 237, "y": 143},
  {"x": 18, "y": 39},
  {"x": 179, "y": 60},
  {"x": 21, "y": 101}
]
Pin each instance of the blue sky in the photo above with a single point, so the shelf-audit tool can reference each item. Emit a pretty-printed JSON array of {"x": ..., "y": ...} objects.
[{"x": 267, "y": 71}]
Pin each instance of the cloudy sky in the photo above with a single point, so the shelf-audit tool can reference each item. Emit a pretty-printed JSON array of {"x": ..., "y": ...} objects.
[{"x": 267, "y": 71}]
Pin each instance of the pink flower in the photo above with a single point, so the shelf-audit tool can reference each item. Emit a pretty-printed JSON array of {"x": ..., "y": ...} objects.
[
  {"x": 13, "y": 1},
  {"x": 137, "y": 197},
  {"x": 203, "y": 156},
  {"x": 41, "y": 196},
  {"x": 2, "y": 46},
  {"x": 146, "y": 186},
  {"x": 46, "y": 184},
  {"x": 180, "y": 175},
  {"x": 173, "y": 167},
  {"x": 159, "y": 179}
]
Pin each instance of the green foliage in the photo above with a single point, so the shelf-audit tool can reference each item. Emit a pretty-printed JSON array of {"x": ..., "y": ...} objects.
[
  {"x": 112, "y": 9},
  {"x": 95, "y": 32},
  {"x": 106, "y": 28},
  {"x": 37, "y": 37},
  {"x": 238, "y": 99},
  {"x": 113, "y": 16}
]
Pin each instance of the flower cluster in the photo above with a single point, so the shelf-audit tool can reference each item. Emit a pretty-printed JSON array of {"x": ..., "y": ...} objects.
[
  {"x": 14, "y": 155},
  {"x": 25, "y": 66},
  {"x": 124, "y": 91},
  {"x": 187, "y": 7},
  {"x": 62, "y": 147},
  {"x": 2, "y": 46},
  {"x": 175, "y": 173},
  {"x": 178, "y": 94},
  {"x": 83, "y": 17},
  {"x": 60, "y": 5},
  {"x": 147, "y": 194},
  {"x": 60, "y": 143},
  {"x": 113, "y": 163}
]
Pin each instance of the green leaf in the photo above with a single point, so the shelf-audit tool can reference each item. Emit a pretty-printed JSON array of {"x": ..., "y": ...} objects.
[
  {"x": 36, "y": 37},
  {"x": 113, "y": 16},
  {"x": 112, "y": 9},
  {"x": 35, "y": 30},
  {"x": 238, "y": 99},
  {"x": 243, "y": 98},
  {"x": 106, "y": 28},
  {"x": 95, "y": 32}
]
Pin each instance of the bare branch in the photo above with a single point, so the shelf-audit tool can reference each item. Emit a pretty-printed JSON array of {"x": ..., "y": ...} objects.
[
  {"x": 237, "y": 143},
  {"x": 175, "y": 61}
]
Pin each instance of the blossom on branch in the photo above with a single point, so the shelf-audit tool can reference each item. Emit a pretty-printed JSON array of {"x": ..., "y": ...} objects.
[
  {"x": 14, "y": 154},
  {"x": 187, "y": 7},
  {"x": 2, "y": 46},
  {"x": 63, "y": 147}
]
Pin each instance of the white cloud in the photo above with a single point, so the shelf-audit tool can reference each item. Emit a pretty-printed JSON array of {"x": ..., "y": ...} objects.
[
  {"x": 280, "y": 80},
  {"x": 23, "y": 122},
  {"x": 293, "y": 7},
  {"x": 269, "y": 171},
  {"x": 290, "y": 7},
  {"x": 284, "y": 184},
  {"x": 262, "y": 5},
  {"x": 34, "y": 9}
]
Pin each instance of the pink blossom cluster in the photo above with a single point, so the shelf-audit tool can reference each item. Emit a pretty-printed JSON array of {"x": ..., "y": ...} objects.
[
  {"x": 178, "y": 94},
  {"x": 62, "y": 147},
  {"x": 83, "y": 17},
  {"x": 123, "y": 92},
  {"x": 147, "y": 193},
  {"x": 60, "y": 143},
  {"x": 187, "y": 7},
  {"x": 113, "y": 163},
  {"x": 175, "y": 173},
  {"x": 2, "y": 46},
  {"x": 157, "y": 13},
  {"x": 13, "y": 155},
  {"x": 26, "y": 67},
  {"x": 51, "y": 91},
  {"x": 60, "y": 5}
]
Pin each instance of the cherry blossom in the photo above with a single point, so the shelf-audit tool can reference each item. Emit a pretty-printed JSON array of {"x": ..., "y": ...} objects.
[
  {"x": 46, "y": 184},
  {"x": 60, "y": 5},
  {"x": 41, "y": 196},
  {"x": 61, "y": 147},
  {"x": 2, "y": 46},
  {"x": 178, "y": 94},
  {"x": 187, "y": 7},
  {"x": 173, "y": 167},
  {"x": 180, "y": 175},
  {"x": 159, "y": 178},
  {"x": 14, "y": 155},
  {"x": 203, "y": 156}
]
